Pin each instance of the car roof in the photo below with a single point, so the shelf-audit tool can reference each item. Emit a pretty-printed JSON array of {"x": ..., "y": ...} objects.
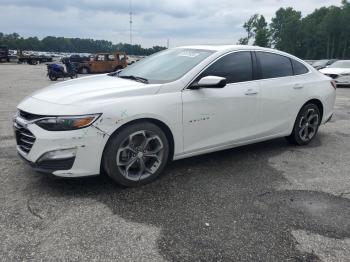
[
  {"x": 226, "y": 47},
  {"x": 222, "y": 49}
]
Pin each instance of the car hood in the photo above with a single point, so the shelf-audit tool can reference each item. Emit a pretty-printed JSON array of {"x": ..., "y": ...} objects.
[
  {"x": 335, "y": 71},
  {"x": 93, "y": 89}
]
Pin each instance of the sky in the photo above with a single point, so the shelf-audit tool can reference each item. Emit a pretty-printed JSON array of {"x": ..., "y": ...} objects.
[{"x": 183, "y": 22}]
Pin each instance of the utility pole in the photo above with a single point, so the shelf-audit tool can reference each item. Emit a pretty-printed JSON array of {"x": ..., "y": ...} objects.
[{"x": 130, "y": 7}]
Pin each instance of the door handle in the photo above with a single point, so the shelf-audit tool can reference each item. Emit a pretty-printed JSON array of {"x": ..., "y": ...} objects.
[
  {"x": 251, "y": 92},
  {"x": 298, "y": 86}
]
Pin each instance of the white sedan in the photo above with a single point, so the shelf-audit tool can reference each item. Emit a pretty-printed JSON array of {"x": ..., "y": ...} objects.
[
  {"x": 339, "y": 71},
  {"x": 174, "y": 104}
]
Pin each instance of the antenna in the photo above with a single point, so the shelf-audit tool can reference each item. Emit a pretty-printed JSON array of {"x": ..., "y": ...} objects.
[{"x": 130, "y": 7}]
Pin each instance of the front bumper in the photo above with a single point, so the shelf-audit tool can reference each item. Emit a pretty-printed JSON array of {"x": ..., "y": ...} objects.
[
  {"x": 88, "y": 144},
  {"x": 50, "y": 166}
]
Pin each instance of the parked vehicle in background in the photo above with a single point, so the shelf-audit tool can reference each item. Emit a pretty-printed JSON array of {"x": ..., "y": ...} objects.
[
  {"x": 79, "y": 59},
  {"x": 133, "y": 59},
  {"x": 4, "y": 54},
  {"x": 104, "y": 63},
  {"x": 32, "y": 59},
  {"x": 174, "y": 104},
  {"x": 310, "y": 62},
  {"x": 323, "y": 63},
  {"x": 55, "y": 71},
  {"x": 339, "y": 71}
]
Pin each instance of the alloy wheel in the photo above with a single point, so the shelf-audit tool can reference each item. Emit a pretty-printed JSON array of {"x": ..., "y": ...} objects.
[
  {"x": 308, "y": 125},
  {"x": 140, "y": 155}
]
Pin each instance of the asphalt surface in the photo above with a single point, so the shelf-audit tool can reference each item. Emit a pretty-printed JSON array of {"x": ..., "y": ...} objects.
[{"x": 264, "y": 202}]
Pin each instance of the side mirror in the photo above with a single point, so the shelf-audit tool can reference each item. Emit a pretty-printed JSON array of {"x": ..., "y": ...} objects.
[{"x": 210, "y": 82}]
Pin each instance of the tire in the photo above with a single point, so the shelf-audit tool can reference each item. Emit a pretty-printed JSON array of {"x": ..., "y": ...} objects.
[
  {"x": 136, "y": 155},
  {"x": 85, "y": 70},
  {"x": 52, "y": 77},
  {"x": 33, "y": 62},
  {"x": 306, "y": 125}
]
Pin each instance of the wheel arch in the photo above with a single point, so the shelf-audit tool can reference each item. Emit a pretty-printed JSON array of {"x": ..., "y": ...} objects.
[
  {"x": 165, "y": 128},
  {"x": 318, "y": 103}
]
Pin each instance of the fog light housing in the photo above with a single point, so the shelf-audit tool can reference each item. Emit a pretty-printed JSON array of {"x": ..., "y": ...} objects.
[{"x": 59, "y": 154}]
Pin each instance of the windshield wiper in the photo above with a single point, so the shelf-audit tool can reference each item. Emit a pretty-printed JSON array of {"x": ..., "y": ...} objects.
[{"x": 136, "y": 78}]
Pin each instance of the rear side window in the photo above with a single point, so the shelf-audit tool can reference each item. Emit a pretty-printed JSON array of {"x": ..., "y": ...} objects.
[
  {"x": 299, "y": 68},
  {"x": 235, "y": 67},
  {"x": 273, "y": 65}
]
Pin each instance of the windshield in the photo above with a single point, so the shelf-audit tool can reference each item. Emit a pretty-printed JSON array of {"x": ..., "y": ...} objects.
[
  {"x": 320, "y": 63},
  {"x": 166, "y": 66},
  {"x": 340, "y": 64}
]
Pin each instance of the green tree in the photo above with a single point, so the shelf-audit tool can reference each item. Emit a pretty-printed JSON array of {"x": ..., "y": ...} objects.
[
  {"x": 75, "y": 45},
  {"x": 257, "y": 29},
  {"x": 249, "y": 28},
  {"x": 262, "y": 33},
  {"x": 285, "y": 30}
]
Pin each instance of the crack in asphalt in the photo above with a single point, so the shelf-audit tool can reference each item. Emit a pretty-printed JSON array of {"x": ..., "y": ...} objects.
[
  {"x": 344, "y": 193},
  {"x": 32, "y": 211}
]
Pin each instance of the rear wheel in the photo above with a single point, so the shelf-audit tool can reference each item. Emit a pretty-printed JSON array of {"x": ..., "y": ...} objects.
[
  {"x": 33, "y": 62},
  {"x": 136, "y": 155},
  {"x": 52, "y": 77},
  {"x": 306, "y": 125}
]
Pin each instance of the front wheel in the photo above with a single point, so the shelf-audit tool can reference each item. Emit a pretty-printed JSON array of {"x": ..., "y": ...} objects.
[
  {"x": 306, "y": 125},
  {"x": 85, "y": 70},
  {"x": 136, "y": 155}
]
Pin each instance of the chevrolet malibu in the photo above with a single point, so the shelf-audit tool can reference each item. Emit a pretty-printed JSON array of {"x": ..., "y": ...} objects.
[{"x": 174, "y": 104}]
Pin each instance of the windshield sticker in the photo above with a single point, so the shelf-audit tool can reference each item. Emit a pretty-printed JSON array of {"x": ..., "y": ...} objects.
[{"x": 188, "y": 53}]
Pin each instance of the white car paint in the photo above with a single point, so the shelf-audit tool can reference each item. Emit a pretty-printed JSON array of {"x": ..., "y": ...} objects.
[
  {"x": 201, "y": 121},
  {"x": 340, "y": 75}
]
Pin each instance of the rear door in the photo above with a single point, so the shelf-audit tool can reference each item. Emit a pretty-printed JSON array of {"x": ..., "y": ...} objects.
[
  {"x": 220, "y": 116},
  {"x": 280, "y": 92}
]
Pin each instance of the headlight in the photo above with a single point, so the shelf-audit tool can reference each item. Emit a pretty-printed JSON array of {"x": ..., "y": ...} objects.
[{"x": 65, "y": 123}]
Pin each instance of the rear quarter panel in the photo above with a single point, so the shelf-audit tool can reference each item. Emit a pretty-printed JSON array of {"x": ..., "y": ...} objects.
[{"x": 318, "y": 86}]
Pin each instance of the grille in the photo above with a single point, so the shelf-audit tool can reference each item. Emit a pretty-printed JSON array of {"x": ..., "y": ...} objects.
[
  {"x": 28, "y": 116},
  {"x": 24, "y": 138},
  {"x": 332, "y": 76}
]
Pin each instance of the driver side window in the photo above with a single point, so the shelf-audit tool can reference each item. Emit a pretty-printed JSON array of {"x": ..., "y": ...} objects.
[{"x": 235, "y": 67}]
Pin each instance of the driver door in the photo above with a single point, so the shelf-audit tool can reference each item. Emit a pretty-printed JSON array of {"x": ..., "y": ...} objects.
[{"x": 215, "y": 117}]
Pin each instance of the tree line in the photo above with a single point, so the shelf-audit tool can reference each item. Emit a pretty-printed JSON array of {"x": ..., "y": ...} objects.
[
  {"x": 325, "y": 33},
  {"x": 73, "y": 45}
]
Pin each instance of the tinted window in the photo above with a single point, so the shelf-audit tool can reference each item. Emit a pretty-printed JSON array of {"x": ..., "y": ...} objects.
[
  {"x": 299, "y": 68},
  {"x": 273, "y": 65},
  {"x": 235, "y": 67}
]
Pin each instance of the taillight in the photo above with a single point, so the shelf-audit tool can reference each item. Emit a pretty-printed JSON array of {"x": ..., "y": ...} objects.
[{"x": 334, "y": 84}]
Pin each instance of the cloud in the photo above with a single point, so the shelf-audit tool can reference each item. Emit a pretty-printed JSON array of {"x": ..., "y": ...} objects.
[{"x": 154, "y": 21}]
